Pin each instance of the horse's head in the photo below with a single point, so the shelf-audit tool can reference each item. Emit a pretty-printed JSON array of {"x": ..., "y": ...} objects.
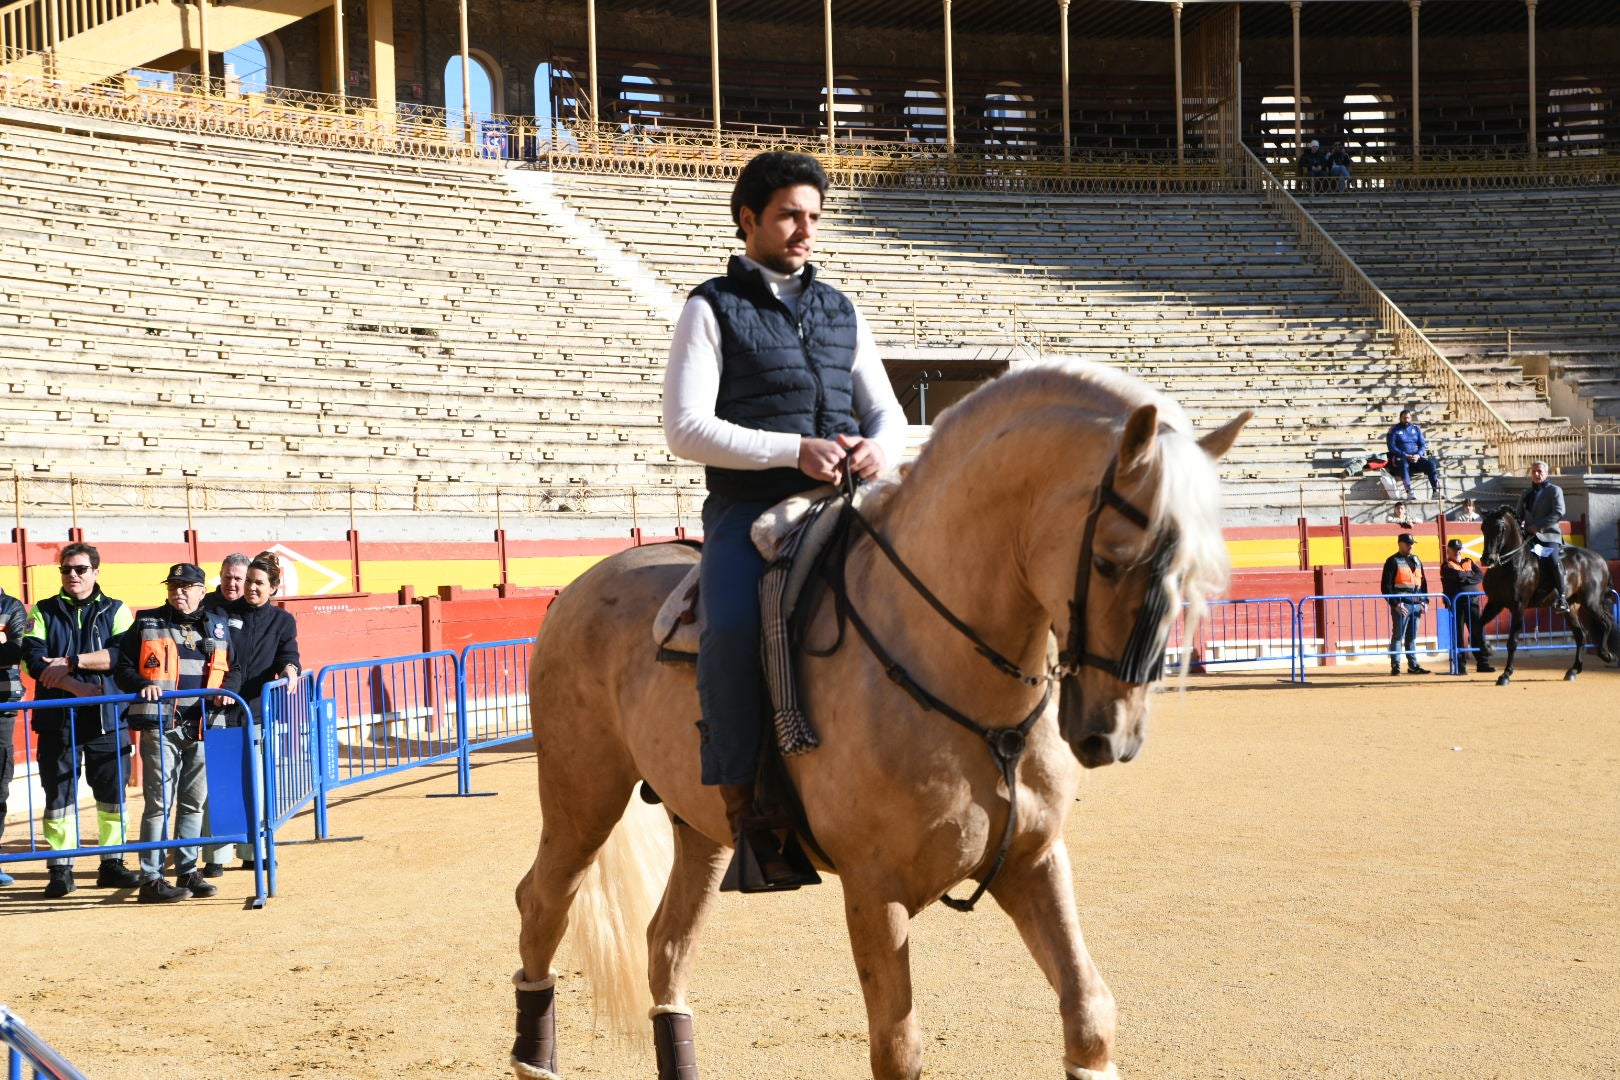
[
  {"x": 1501, "y": 536},
  {"x": 1151, "y": 540}
]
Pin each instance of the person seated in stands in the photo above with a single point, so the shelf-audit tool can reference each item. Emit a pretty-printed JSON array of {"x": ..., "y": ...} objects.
[
  {"x": 1339, "y": 165},
  {"x": 1313, "y": 164},
  {"x": 1468, "y": 512},
  {"x": 1400, "y": 516},
  {"x": 1408, "y": 453}
]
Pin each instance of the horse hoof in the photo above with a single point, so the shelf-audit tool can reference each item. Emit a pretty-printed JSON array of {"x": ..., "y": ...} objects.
[
  {"x": 1569, "y": 676},
  {"x": 1502, "y": 679}
]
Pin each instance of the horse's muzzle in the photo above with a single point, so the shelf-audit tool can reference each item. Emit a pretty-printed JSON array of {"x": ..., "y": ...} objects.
[{"x": 1095, "y": 751}]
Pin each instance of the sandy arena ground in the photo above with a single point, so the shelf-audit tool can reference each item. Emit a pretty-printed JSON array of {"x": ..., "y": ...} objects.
[{"x": 1365, "y": 878}]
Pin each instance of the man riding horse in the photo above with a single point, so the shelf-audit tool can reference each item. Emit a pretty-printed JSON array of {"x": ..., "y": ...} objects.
[
  {"x": 1541, "y": 512},
  {"x": 775, "y": 385}
]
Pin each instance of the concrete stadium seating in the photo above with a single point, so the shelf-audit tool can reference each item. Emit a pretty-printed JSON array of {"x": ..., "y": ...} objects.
[{"x": 210, "y": 308}]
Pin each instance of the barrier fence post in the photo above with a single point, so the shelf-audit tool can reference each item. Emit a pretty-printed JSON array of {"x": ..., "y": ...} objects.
[
  {"x": 323, "y": 727},
  {"x": 463, "y": 729}
]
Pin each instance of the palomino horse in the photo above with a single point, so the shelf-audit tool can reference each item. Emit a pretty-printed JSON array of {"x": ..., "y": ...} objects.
[
  {"x": 1513, "y": 583},
  {"x": 1027, "y": 479}
]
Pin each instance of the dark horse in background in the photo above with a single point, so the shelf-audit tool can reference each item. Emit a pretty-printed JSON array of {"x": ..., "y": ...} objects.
[{"x": 1513, "y": 582}]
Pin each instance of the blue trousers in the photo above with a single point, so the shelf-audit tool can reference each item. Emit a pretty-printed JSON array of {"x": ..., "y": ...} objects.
[
  {"x": 1399, "y": 466},
  {"x": 730, "y": 671},
  {"x": 1403, "y": 634}
]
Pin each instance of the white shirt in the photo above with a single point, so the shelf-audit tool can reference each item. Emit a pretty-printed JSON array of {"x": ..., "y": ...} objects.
[{"x": 692, "y": 387}]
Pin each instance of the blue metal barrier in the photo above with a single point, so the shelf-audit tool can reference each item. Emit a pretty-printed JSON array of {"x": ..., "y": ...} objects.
[
  {"x": 24, "y": 1047},
  {"x": 1255, "y": 633},
  {"x": 492, "y": 704},
  {"x": 291, "y": 764},
  {"x": 376, "y": 717},
  {"x": 1544, "y": 629},
  {"x": 1358, "y": 627},
  {"x": 234, "y": 752}
]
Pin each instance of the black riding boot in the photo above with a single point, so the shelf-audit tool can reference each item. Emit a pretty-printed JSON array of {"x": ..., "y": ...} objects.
[{"x": 759, "y": 865}]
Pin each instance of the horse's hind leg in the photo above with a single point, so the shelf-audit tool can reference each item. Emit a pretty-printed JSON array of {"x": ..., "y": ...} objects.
[
  {"x": 1040, "y": 901},
  {"x": 577, "y": 821},
  {"x": 1576, "y": 620},
  {"x": 672, "y": 947}
]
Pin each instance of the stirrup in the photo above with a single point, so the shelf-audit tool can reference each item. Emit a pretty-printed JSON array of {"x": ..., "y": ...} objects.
[{"x": 747, "y": 875}]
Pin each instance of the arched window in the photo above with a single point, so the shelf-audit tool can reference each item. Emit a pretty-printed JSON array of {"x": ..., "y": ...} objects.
[
  {"x": 1280, "y": 139},
  {"x": 848, "y": 108},
  {"x": 456, "y": 103},
  {"x": 1367, "y": 129},
  {"x": 247, "y": 69},
  {"x": 1575, "y": 119},
  {"x": 640, "y": 100},
  {"x": 925, "y": 115},
  {"x": 1009, "y": 117}
]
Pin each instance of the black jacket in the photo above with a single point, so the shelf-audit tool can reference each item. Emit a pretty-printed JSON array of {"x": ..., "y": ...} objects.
[
  {"x": 780, "y": 370},
  {"x": 60, "y": 626},
  {"x": 265, "y": 640},
  {"x": 13, "y": 624},
  {"x": 189, "y": 631}
]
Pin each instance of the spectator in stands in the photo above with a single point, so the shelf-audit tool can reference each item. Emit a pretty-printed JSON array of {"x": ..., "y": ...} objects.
[
  {"x": 1408, "y": 453},
  {"x": 1468, "y": 512},
  {"x": 232, "y": 575},
  {"x": 66, "y": 649},
  {"x": 776, "y": 385},
  {"x": 1541, "y": 515},
  {"x": 1400, "y": 516},
  {"x": 13, "y": 624},
  {"x": 178, "y": 646},
  {"x": 1404, "y": 585},
  {"x": 1461, "y": 574},
  {"x": 1339, "y": 165},
  {"x": 1313, "y": 164},
  {"x": 265, "y": 638}
]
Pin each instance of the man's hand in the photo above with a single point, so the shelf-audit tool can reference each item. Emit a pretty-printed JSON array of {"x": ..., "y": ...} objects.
[
  {"x": 1413, "y": 457},
  {"x": 151, "y": 692},
  {"x": 865, "y": 456},
  {"x": 821, "y": 459},
  {"x": 54, "y": 672}
]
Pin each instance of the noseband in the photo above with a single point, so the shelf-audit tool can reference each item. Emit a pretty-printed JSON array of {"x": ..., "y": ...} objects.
[{"x": 1142, "y": 661}]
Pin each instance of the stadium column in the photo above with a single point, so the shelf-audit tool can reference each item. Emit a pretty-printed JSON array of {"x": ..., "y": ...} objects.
[
  {"x": 1299, "y": 106},
  {"x": 340, "y": 61},
  {"x": 204, "y": 67},
  {"x": 1417, "y": 120},
  {"x": 1181, "y": 124},
  {"x": 950, "y": 86},
  {"x": 466, "y": 77},
  {"x": 714, "y": 67},
  {"x": 832, "y": 115},
  {"x": 380, "y": 27},
  {"x": 1063, "y": 9},
  {"x": 590, "y": 59},
  {"x": 1530, "y": 10}
]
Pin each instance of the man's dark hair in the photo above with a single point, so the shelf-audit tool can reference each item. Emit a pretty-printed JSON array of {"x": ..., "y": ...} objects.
[
  {"x": 81, "y": 549},
  {"x": 767, "y": 174}
]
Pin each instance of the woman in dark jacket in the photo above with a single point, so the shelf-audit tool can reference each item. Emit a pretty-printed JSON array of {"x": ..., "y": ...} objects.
[{"x": 265, "y": 641}]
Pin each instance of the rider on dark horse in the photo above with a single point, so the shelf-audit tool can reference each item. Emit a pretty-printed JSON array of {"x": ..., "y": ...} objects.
[
  {"x": 1541, "y": 513},
  {"x": 773, "y": 378}
]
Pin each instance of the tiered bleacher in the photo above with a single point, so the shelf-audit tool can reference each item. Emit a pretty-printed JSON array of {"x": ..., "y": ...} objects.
[{"x": 1494, "y": 274}]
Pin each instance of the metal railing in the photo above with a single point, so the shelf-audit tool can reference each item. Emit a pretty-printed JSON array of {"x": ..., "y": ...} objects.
[
  {"x": 1359, "y": 626},
  {"x": 1463, "y": 401},
  {"x": 35, "y": 26},
  {"x": 1255, "y": 633},
  {"x": 25, "y": 1047}
]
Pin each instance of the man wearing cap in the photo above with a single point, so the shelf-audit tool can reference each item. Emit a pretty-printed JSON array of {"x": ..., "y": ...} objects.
[
  {"x": 178, "y": 646},
  {"x": 66, "y": 649},
  {"x": 1313, "y": 164},
  {"x": 1461, "y": 574},
  {"x": 1404, "y": 585}
]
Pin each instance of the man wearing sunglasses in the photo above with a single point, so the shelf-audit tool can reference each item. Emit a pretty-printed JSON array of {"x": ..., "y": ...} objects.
[{"x": 65, "y": 648}]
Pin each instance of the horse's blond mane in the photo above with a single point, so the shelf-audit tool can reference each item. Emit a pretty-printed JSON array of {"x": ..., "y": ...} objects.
[{"x": 1182, "y": 476}]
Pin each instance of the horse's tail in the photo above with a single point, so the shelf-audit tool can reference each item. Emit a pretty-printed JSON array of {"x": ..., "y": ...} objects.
[{"x": 610, "y": 915}]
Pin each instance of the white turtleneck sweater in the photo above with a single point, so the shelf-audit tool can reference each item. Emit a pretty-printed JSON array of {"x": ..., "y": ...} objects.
[{"x": 692, "y": 386}]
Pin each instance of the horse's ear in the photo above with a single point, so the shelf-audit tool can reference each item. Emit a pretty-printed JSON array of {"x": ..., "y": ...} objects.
[
  {"x": 1136, "y": 445},
  {"x": 1219, "y": 441}
]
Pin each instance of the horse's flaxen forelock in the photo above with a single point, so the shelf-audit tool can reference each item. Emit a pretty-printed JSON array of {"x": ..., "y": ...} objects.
[{"x": 1187, "y": 499}]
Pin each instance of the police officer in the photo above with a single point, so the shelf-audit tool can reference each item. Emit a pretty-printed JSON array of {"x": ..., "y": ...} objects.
[
  {"x": 1541, "y": 513},
  {"x": 1460, "y": 574},
  {"x": 13, "y": 624},
  {"x": 66, "y": 650},
  {"x": 1403, "y": 576}
]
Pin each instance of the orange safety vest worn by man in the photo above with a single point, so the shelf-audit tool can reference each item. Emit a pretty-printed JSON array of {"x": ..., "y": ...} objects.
[{"x": 179, "y": 646}]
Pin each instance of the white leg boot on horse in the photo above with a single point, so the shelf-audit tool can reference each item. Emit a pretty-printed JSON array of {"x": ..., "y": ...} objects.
[{"x": 1040, "y": 901}]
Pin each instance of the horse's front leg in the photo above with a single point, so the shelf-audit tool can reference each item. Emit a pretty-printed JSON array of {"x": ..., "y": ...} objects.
[
  {"x": 879, "y": 936},
  {"x": 1482, "y": 647},
  {"x": 672, "y": 947},
  {"x": 1515, "y": 628},
  {"x": 1577, "y": 629},
  {"x": 1040, "y": 900}
]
